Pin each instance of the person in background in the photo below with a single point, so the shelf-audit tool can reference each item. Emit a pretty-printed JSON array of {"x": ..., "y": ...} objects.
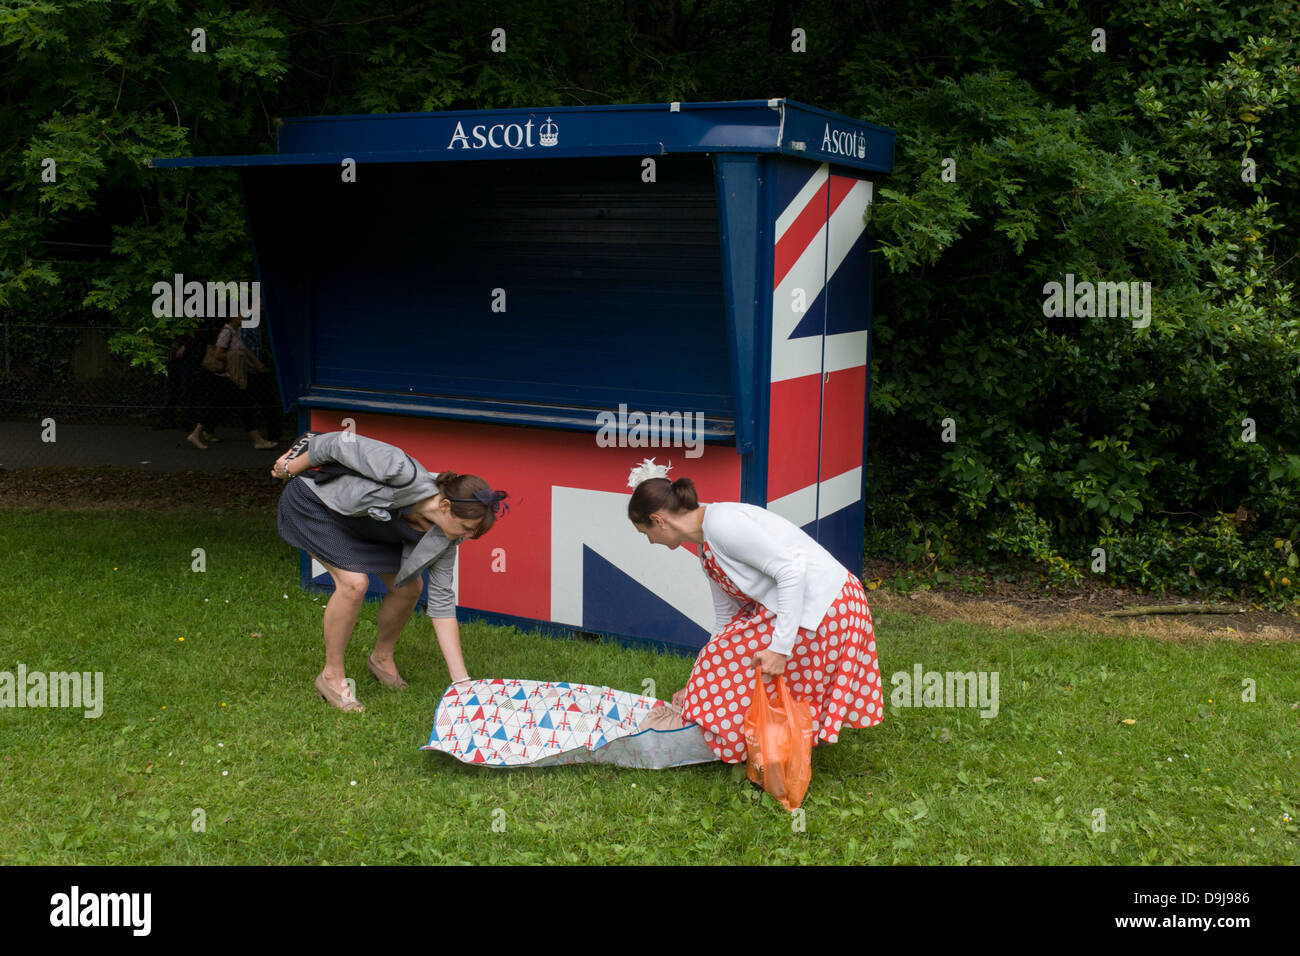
[
  {"x": 262, "y": 389},
  {"x": 178, "y": 388},
  {"x": 240, "y": 365},
  {"x": 784, "y": 606}
]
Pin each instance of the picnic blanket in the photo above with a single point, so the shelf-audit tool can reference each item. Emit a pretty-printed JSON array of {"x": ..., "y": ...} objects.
[{"x": 526, "y": 723}]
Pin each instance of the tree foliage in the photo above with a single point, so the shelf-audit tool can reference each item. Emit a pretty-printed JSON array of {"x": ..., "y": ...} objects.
[{"x": 1163, "y": 150}]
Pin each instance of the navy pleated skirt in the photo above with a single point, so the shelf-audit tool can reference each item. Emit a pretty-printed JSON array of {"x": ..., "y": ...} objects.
[{"x": 353, "y": 543}]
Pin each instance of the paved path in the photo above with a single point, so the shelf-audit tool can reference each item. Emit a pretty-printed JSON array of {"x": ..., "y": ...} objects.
[{"x": 130, "y": 446}]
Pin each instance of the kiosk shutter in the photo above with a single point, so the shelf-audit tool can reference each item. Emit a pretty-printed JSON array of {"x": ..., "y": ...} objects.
[{"x": 611, "y": 287}]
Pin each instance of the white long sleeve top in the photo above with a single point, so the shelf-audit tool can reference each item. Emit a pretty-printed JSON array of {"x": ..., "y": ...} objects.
[{"x": 774, "y": 562}]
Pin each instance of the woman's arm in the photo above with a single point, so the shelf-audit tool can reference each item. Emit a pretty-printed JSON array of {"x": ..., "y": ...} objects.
[
  {"x": 442, "y": 608},
  {"x": 741, "y": 539},
  {"x": 286, "y": 468},
  {"x": 376, "y": 460},
  {"x": 448, "y": 632}
]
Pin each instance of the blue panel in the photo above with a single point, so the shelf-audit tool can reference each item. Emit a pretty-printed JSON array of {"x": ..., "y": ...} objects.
[
  {"x": 841, "y": 534},
  {"x": 745, "y": 235},
  {"x": 871, "y": 344},
  {"x": 787, "y": 179},
  {"x": 613, "y": 603},
  {"x": 849, "y": 287},
  {"x": 813, "y": 322},
  {"x": 753, "y": 476},
  {"x": 842, "y": 305}
]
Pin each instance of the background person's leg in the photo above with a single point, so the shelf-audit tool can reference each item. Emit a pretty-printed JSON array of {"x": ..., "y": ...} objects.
[
  {"x": 171, "y": 388},
  {"x": 261, "y": 388},
  {"x": 185, "y": 376}
]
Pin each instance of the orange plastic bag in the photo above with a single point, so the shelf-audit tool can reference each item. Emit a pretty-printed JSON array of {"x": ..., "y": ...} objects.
[{"x": 779, "y": 744}]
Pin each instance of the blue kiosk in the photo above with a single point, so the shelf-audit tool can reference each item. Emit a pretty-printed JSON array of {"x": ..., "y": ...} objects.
[{"x": 546, "y": 296}]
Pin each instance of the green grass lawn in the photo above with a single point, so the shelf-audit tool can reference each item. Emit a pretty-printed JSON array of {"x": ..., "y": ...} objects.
[{"x": 226, "y": 722}]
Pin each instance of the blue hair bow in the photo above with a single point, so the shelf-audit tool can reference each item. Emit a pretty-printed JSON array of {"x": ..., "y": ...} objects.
[{"x": 492, "y": 500}]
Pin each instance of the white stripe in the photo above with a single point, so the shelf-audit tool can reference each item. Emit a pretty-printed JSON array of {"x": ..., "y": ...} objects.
[
  {"x": 802, "y": 357},
  {"x": 798, "y": 507},
  {"x": 598, "y": 520},
  {"x": 846, "y": 350},
  {"x": 839, "y": 492},
  {"x": 847, "y": 224},
  {"x": 317, "y": 569},
  {"x": 791, "y": 212},
  {"x": 808, "y": 274},
  {"x": 802, "y": 507},
  {"x": 797, "y": 358}
]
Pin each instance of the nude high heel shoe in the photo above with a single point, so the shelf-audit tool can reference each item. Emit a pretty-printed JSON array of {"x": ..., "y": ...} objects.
[
  {"x": 343, "y": 701},
  {"x": 394, "y": 682}
]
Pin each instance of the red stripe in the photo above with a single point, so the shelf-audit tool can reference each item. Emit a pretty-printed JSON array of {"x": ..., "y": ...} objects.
[
  {"x": 792, "y": 441},
  {"x": 802, "y": 231},
  {"x": 844, "y": 410},
  {"x": 841, "y": 186}
]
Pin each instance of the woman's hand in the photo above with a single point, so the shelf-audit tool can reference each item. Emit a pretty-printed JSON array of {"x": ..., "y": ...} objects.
[
  {"x": 679, "y": 699},
  {"x": 770, "y": 662},
  {"x": 277, "y": 470}
]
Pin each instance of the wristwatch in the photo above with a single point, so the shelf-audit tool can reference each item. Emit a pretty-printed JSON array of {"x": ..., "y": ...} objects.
[{"x": 285, "y": 468}]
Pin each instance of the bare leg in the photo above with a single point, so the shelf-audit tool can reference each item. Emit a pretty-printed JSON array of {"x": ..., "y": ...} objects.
[
  {"x": 341, "y": 613},
  {"x": 394, "y": 612}
]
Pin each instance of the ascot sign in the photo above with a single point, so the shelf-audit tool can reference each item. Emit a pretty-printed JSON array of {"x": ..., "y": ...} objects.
[
  {"x": 507, "y": 135},
  {"x": 840, "y": 142}
]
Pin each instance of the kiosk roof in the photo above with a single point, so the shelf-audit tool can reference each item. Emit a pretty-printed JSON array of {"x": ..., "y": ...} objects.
[{"x": 649, "y": 129}]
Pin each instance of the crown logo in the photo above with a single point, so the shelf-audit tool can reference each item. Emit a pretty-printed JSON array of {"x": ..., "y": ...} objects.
[{"x": 549, "y": 133}]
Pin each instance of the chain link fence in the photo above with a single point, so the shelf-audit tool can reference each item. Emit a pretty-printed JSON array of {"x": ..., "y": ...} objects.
[{"x": 67, "y": 400}]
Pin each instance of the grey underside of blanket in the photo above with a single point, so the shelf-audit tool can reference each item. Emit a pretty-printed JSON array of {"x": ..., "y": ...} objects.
[{"x": 648, "y": 750}]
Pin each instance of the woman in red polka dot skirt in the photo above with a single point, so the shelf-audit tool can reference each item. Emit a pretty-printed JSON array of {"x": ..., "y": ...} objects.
[{"x": 783, "y": 604}]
